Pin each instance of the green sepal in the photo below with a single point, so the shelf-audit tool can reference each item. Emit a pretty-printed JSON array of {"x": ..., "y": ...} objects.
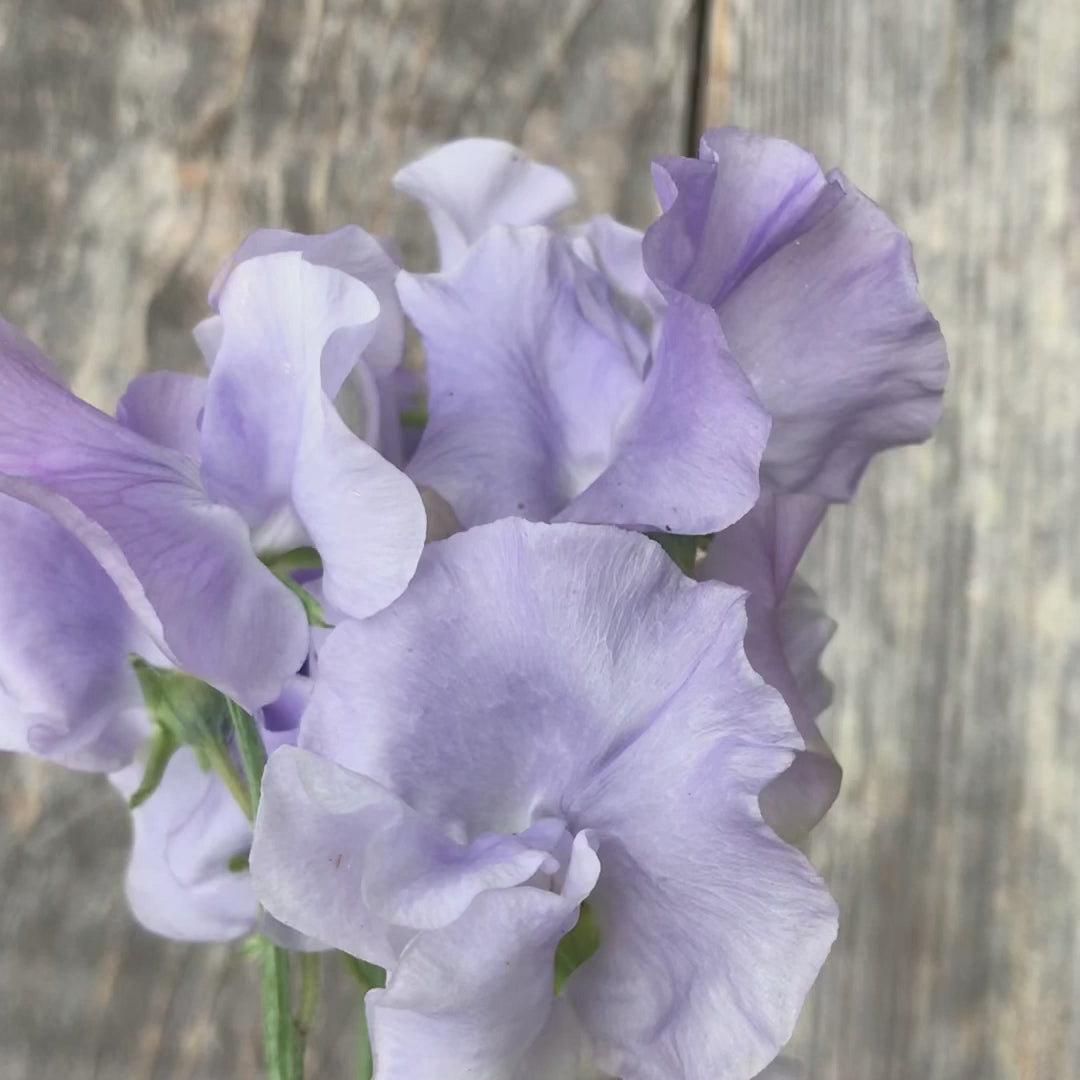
[
  {"x": 312, "y": 608},
  {"x": 283, "y": 564},
  {"x": 192, "y": 713},
  {"x": 299, "y": 558},
  {"x": 368, "y": 976},
  {"x": 576, "y": 947},
  {"x": 239, "y": 863},
  {"x": 681, "y": 549},
  {"x": 163, "y": 744}
]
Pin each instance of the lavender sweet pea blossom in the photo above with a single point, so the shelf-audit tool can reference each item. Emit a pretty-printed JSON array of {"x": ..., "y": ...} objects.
[
  {"x": 549, "y": 715},
  {"x": 554, "y": 391},
  {"x": 179, "y": 881},
  {"x": 786, "y": 633},
  {"x": 469, "y": 185},
  {"x": 538, "y": 407},
  {"x": 376, "y": 388},
  {"x": 67, "y": 691},
  {"x": 175, "y": 501},
  {"x": 182, "y": 562},
  {"x": 816, "y": 292},
  {"x": 291, "y": 330}
]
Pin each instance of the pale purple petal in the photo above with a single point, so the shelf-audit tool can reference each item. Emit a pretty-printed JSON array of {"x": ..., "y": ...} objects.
[
  {"x": 785, "y": 634},
  {"x": 342, "y": 859},
  {"x": 761, "y": 550},
  {"x": 537, "y": 410},
  {"x": 178, "y": 881},
  {"x": 278, "y": 314},
  {"x": 165, "y": 407},
  {"x": 67, "y": 690},
  {"x": 680, "y": 831},
  {"x": 526, "y": 394},
  {"x": 730, "y": 210},
  {"x": 805, "y": 629},
  {"x": 368, "y": 259},
  {"x": 365, "y": 517},
  {"x": 615, "y": 250},
  {"x": 183, "y": 563},
  {"x": 689, "y": 456},
  {"x": 272, "y": 441},
  {"x": 511, "y": 635},
  {"x": 470, "y": 185},
  {"x": 474, "y": 998},
  {"x": 207, "y": 334},
  {"x": 817, "y": 294}
]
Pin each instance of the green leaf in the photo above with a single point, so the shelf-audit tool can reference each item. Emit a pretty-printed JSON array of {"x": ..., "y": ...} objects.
[
  {"x": 163, "y": 744},
  {"x": 576, "y": 947},
  {"x": 682, "y": 550}
]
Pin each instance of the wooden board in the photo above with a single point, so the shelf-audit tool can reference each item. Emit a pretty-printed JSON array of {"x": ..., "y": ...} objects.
[
  {"x": 955, "y": 576},
  {"x": 139, "y": 141}
]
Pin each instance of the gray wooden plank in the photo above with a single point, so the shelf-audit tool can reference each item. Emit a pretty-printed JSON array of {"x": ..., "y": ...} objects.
[
  {"x": 139, "y": 141},
  {"x": 955, "y": 576}
]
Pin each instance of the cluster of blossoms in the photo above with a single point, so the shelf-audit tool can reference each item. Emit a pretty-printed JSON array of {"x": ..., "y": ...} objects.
[{"x": 492, "y": 674}]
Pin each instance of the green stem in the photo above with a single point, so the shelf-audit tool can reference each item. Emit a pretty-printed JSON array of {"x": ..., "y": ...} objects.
[
  {"x": 310, "y": 964},
  {"x": 283, "y": 1039},
  {"x": 363, "y": 1045},
  {"x": 284, "y": 1058},
  {"x": 366, "y": 976}
]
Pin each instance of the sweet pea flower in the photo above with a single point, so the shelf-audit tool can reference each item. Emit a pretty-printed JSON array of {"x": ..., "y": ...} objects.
[
  {"x": 787, "y": 629},
  {"x": 295, "y": 325},
  {"x": 816, "y": 291},
  {"x": 183, "y": 879},
  {"x": 67, "y": 691},
  {"x": 176, "y": 501},
  {"x": 376, "y": 388},
  {"x": 554, "y": 393},
  {"x": 178, "y": 881},
  {"x": 550, "y": 715},
  {"x": 538, "y": 407},
  {"x": 469, "y": 185},
  {"x": 182, "y": 562}
]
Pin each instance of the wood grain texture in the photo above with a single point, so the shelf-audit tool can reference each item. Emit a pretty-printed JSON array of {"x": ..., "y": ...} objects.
[
  {"x": 955, "y": 576},
  {"x": 139, "y": 141}
]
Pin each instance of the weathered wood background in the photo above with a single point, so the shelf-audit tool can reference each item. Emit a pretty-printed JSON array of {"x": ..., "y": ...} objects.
[{"x": 140, "y": 139}]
